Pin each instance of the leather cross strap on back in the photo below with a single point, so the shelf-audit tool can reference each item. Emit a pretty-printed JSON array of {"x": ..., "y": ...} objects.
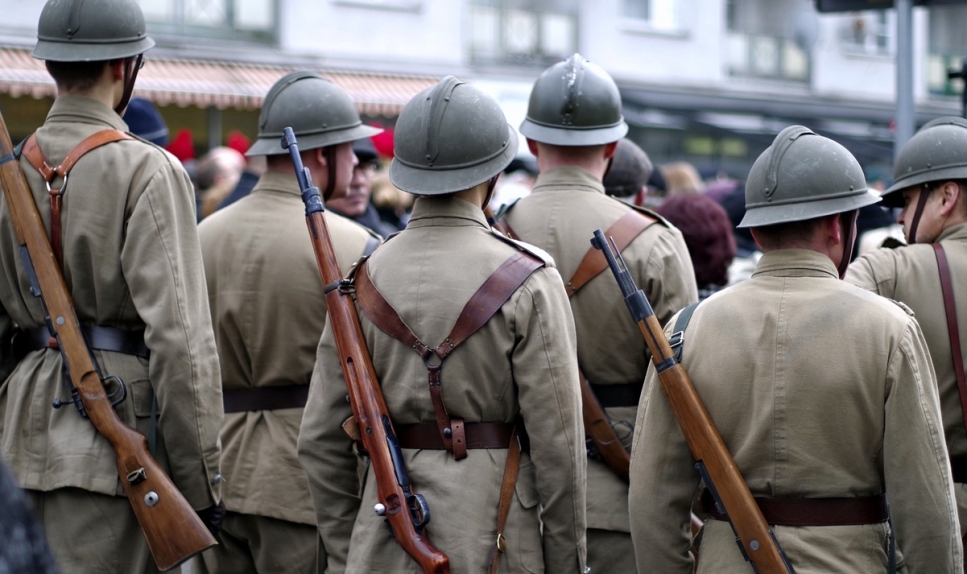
[
  {"x": 953, "y": 330},
  {"x": 31, "y": 151},
  {"x": 487, "y": 300},
  {"x": 623, "y": 231}
]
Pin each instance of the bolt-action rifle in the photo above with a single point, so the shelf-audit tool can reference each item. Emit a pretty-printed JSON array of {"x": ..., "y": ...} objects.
[
  {"x": 712, "y": 458},
  {"x": 173, "y": 530},
  {"x": 406, "y": 512}
]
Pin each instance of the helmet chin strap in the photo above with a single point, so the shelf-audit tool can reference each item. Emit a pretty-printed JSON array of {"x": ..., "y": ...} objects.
[
  {"x": 131, "y": 67},
  {"x": 918, "y": 213},
  {"x": 848, "y": 239}
]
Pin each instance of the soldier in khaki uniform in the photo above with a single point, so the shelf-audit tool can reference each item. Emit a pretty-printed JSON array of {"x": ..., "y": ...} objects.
[
  {"x": 820, "y": 390},
  {"x": 573, "y": 125},
  {"x": 451, "y": 143},
  {"x": 930, "y": 186},
  {"x": 130, "y": 255},
  {"x": 268, "y": 309}
]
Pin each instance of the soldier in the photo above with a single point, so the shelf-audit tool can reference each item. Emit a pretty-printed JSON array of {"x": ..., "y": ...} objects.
[
  {"x": 931, "y": 185},
  {"x": 124, "y": 232},
  {"x": 573, "y": 125},
  {"x": 822, "y": 392},
  {"x": 452, "y": 142},
  {"x": 268, "y": 309}
]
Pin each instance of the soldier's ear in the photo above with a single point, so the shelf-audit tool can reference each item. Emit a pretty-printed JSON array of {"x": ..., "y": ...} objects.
[
  {"x": 609, "y": 150},
  {"x": 950, "y": 199}
]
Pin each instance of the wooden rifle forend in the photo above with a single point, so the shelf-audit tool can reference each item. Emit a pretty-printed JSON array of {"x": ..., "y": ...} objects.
[{"x": 406, "y": 512}]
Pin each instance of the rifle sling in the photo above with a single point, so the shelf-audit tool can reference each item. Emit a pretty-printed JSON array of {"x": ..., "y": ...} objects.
[
  {"x": 953, "y": 330},
  {"x": 31, "y": 151},
  {"x": 812, "y": 511},
  {"x": 487, "y": 300}
]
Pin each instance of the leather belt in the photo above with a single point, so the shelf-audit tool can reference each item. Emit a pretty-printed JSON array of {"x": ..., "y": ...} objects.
[
  {"x": 813, "y": 511},
  {"x": 426, "y": 436},
  {"x": 265, "y": 398},
  {"x": 610, "y": 396},
  {"x": 958, "y": 464},
  {"x": 98, "y": 337}
]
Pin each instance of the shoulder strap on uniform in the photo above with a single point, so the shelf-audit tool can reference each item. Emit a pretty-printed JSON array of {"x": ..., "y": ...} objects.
[
  {"x": 623, "y": 232},
  {"x": 953, "y": 330},
  {"x": 371, "y": 245},
  {"x": 484, "y": 303},
  {"x": 31, "y": 151},
  {"x": 677, "y": 340}
]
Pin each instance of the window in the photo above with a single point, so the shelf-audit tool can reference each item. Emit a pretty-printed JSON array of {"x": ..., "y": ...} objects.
[
  {"x": 525, "y": 33},
  {"x": 762, "y": 42},
  {"x": 867, "y": 32},
  {"x": 252, "y": 20},
  {"x": 653, "y": 14},
  {"x": 947, "y": 49}
]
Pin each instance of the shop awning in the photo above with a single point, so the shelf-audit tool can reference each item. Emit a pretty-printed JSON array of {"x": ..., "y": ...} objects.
[{"x": 217, "y": 83}]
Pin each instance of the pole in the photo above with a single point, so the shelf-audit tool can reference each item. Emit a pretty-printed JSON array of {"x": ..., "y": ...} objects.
[{"x": 905, "y": 114}]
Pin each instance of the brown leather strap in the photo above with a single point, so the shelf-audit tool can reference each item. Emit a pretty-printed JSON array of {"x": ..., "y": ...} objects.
[
  {"x": 953, "y": 330},
  {"x": 35, "y": 157},
  {"x": 507, "y": 486},
  {"x": 502, "y": 226},
  {"x": 425, "y": 436},
  {"x": 486, "y": 301},
  {"x": 813, "y": 511},
  {"x": 623, "y": 231},
  {"x": 265, "y": 398}
]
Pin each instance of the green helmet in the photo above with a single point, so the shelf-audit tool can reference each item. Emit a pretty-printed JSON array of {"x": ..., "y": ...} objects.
[
  {"x": 449, "y": 138},
  {"x": 938, "y": 152},
  {"x": 90, "y": 31},
  {"x": 629, "y": 171},
  {"x": 319, "y": 112},
  {"x": 574, "y": 103},
  {"x": 803, "y": 176}
]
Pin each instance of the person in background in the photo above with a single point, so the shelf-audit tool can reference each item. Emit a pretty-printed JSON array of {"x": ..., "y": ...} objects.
[
  {"x": 145, "y": 121},
  {"x": 627, "y": 177},
  {"x": 24, "y": 549},
  {"x": 681, "y": 177},
  {"x": 218, "y": 172},
  {"x": 708, "y": 235},
  {"x": 356, "y": 204}
]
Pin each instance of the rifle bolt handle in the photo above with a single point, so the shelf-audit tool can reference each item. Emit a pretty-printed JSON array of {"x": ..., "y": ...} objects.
[
  {"x": 754, "y": 544},
  {"x": 380, "y": 509},
  {"x": 151, "y": 498}
]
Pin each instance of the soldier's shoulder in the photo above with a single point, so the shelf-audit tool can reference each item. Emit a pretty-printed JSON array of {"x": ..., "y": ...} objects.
[
  {"x": 522, "y": 246},
  {"x": 648, "y": 213}
]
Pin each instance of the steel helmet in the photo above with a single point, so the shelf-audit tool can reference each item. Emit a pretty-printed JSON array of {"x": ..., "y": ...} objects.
[
  {"x": 629, "y": 171},
  {"x": 319, "y": 112},
  {"x": 90, "y": 31},
  {"x": 938, "y": 152},
  {"x": 803, "y": 176},
  {"x": 449, "y": 138},
  {"x": 574, "y": 103}
]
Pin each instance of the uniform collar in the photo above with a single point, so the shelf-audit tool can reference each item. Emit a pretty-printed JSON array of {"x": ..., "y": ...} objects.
[
  {"x": 278, "y": 182},
  {"x": 958, "y": 231},
  {"x": 795, "y": 263},
  {"x": 567, "y": 177},
  {"x": 84, "y": 110},
  {"x": 446, "y": 210}
]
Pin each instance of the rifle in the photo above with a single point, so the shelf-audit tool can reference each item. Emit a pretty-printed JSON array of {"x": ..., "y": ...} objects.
[
  {"x": 173, "y": 530},
  {"x": 406, "y": 512},
  {"x": 603, "y": 443},
  {"x": 712, "y": 458}
]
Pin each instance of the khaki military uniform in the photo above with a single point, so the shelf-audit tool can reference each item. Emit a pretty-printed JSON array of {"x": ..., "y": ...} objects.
[
  {"x": 131, "y": 261},
  {"x": 521, "y": 359},
  {"x": 819, "y": 390},
  {"x": 269, "y": 309},
  {"x": 909, "y": 274},
  {"x": 565, "y": 207}
]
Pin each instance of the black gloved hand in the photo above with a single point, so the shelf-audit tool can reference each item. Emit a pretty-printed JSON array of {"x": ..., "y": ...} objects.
[{"x": 213, "y": 517}]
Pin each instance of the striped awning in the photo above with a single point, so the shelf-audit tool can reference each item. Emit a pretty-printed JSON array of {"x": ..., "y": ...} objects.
[{"x": 217, "y": 83}]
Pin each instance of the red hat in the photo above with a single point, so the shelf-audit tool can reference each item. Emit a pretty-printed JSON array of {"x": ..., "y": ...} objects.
[
  {"x": 238, "y": 141},
  {"x": 181, "y": 145},
  {"x": 383, "y": 141}
]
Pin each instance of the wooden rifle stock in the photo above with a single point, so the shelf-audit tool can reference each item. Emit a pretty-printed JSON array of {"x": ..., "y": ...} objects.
[
  {"x": 406, "y": 512},
  {"x": 713, "y": 459},
  {"x": 598, "y": 427},
  {"x": 173, "y": 530}
]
